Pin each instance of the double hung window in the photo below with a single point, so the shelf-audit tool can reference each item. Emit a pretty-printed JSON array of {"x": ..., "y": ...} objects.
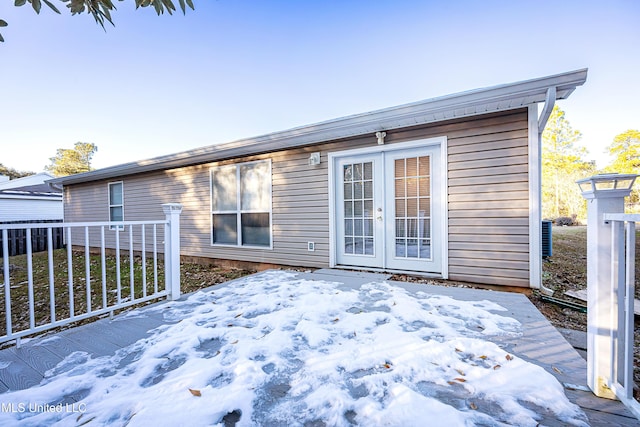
[
  {"x": 116, "y": 204},
  {"x": 241, "y": 204}
]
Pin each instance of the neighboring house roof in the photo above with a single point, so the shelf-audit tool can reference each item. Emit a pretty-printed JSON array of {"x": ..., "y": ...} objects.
[
  {"x": 30, "y": 187},
  {"x": 35, "y": 179},
  {"x": 464, "y": 104},
  {"x": 40, "y": 191}
]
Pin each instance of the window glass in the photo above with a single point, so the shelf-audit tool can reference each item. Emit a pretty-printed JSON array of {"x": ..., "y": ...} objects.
[
  {"x": 243, "y": 220},
  {"x": 225, "y": 229},
  {"x": 255, "y": 229},
  {"x": 254, "y": 187},
  {"x": 115, "y": 214},
  {"x": 115, "y": 193},
  {"x": 116, "y": 205},
  {"x": 224, "y": 188}
]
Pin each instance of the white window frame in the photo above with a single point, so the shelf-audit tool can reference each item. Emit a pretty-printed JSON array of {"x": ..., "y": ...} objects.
[
  {"x": 115, "y": 227},
  {"x": 238, "y": 211}
]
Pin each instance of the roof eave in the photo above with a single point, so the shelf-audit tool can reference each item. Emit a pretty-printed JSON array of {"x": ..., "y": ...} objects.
[{"x": 480, "y": 101}]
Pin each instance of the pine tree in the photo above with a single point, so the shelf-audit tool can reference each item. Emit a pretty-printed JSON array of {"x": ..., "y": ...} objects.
[
  {"x": 625, "y": 150},
  {"x": 562, "y": 164},
  {"x": 13, "y": 173},
  {"x": 74, "y": 160}
]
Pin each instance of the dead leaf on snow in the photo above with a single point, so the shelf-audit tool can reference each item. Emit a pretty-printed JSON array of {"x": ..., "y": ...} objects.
[
  {"x": 508, "y": 357},
  {"x": 195, "y": 392},
  {"x": 460, "y": 371},
  {"x": 497, "y": 367},
  {"x": 473, "y": 406},
  {"x": 556, "y": 369},
  {"x": 462, "y": 380},
  {"x": 237, "y": 315}
]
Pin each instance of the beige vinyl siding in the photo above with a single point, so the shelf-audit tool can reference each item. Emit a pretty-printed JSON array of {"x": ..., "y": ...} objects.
[
  {"x": 487, "y": 200},
  {"x": 489, "y": 204}
]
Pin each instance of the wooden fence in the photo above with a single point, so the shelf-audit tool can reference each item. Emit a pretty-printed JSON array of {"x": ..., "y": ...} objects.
[{"x": 17, "y": 238}]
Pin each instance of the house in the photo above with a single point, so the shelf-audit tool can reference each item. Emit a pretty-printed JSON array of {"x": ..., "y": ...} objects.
[
  {"x": 30, "y": 199},
  {"x": 446, "y": 187}
]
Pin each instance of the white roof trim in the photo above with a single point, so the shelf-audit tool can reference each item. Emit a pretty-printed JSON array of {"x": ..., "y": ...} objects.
[
  {"x": 52, "y": 198},
  {"x": 480, "y": 101}
]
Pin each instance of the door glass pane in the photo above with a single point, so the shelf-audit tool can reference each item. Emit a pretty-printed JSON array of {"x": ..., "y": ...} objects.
[
  {"x": 413, "y": 207},
  {"x": 423, "y": 187},
  {"x": 348, "y": 245},
  {"x": 357, "y": 172},
  {"x": 348, "y": 209},
  {"x": 348, "y": 227},
  {"x": 347, "y": 172},
  {"x": 401, "y": 249},
  {"x": 348, "y": 191},
  {"x": 224, "y": 189},
  {"x": 357, "y": 190},
  {"x": 358, "y": 208},
  {"x": 424, "y": 165},
  {"x": 357, "y": 228},
  {"x": 368, "y": 246},
  {"x": 368, "y": 189},
  {"x": 368, "y": 227},
  {"x": 368, "y": 170}
]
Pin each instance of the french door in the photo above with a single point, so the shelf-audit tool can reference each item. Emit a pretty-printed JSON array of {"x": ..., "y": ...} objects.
[{"x": 387, "y": 208}]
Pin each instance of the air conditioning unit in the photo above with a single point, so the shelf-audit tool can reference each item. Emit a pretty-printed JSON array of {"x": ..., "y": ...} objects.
[{"x": 547, "y": 239}]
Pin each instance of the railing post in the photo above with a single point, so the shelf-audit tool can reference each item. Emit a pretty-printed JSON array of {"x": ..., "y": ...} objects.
[
  {"x": 604, "y": 195},
  {"x": 172, "y": 249}
]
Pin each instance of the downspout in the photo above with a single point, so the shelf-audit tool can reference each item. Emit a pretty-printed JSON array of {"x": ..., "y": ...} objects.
[
  {"x": 55, "y": 187},
  {"x": 549, "y": 103}
]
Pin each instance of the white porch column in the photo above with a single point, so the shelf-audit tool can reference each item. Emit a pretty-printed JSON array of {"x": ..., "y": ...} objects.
[
  {"x": 604, "y": 195},
  {"x": 172, "y": 249}
]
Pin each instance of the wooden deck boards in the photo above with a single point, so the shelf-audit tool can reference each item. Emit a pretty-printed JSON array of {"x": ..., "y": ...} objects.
[{"x": 540, "y": 343}]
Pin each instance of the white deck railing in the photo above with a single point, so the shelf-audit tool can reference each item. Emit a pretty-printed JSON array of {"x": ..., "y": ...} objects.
[
  {"x": 144, "y": 240},
  {"x": 623, "y": 244}
]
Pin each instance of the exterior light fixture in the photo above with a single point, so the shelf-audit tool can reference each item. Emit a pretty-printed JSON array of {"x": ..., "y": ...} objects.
[
  {"x": 380, "y": 136},
  {"x": 607, "y": 185},
  {"x": 314, "y": 159}
]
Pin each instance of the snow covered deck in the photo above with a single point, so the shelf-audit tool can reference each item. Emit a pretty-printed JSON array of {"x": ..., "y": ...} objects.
[{"x": 324, "y": 348}]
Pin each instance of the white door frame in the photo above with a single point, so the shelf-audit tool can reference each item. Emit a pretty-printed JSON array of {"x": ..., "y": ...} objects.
[{"x": 440, "y": 210}]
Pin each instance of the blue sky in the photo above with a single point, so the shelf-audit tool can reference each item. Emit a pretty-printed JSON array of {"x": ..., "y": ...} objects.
[{"x": 233, "y": 69}]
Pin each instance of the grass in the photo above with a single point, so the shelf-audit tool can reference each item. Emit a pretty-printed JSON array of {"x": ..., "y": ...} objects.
[
  {"x": 567, "y": 268},
  {"x": 193, "y": 277}
]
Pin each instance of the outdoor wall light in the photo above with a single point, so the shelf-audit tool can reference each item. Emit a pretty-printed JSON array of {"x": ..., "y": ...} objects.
[
  {"x": 314, "y": 159},
  {"x": 607, "y": 185}
]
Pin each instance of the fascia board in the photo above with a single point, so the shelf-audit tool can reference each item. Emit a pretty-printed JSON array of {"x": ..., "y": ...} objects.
[
  {"x": 474, "y": 102},
  {"x": 26, "y": 197}
]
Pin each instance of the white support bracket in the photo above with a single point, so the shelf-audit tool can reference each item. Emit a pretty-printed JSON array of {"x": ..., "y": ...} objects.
[{"x": 549, "y": 102}]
